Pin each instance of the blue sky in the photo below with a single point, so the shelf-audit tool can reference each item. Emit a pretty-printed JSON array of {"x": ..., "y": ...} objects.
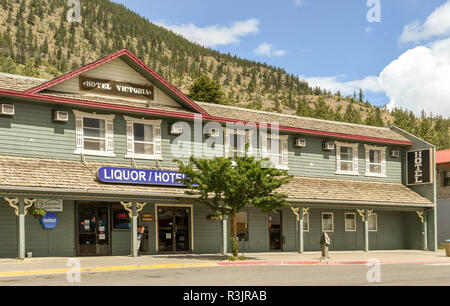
[{"x": 329, "y": 43}]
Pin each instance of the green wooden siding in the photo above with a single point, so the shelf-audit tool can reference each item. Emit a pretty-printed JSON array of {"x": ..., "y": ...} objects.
[
  {"x": 8, "y": 231},
  {"x": 31, "y": 132}
]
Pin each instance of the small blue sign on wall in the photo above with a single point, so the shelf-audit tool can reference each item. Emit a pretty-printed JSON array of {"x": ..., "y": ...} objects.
[
  {"x": 50, "y": 220},
  {"x": 139, "y": 176}
]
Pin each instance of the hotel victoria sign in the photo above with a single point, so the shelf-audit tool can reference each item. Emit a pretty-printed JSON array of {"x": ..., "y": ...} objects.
[
  {"x": 419, "y": 165},
  {"x": 116, "y": 88},
  {"x": 139, "y": 176}
]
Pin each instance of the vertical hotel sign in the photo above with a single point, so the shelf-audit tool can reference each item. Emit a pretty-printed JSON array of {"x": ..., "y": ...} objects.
[{"x": 420, "y": 168}]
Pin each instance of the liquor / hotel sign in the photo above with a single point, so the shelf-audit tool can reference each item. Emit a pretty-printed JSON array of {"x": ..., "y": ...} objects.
[
  {"x": 117, "y": 88},
  {"x": 139, "y": 176},
  {"x": 420, "y": 168}
]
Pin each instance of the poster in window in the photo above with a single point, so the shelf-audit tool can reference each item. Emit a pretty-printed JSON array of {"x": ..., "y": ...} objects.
[{"x": 419, "y": 165}]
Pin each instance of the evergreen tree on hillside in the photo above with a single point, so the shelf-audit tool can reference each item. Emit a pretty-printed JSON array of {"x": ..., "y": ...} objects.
[{"x": 206, "y": 90}]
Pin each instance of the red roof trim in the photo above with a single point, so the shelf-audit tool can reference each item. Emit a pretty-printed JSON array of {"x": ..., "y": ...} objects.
[
  {"x": 191, "y": 116},
  {"x": 109, "y": 58}
]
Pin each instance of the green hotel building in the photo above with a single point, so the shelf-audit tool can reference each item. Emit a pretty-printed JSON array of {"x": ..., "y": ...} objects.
[{"x": 94, "y": 149}]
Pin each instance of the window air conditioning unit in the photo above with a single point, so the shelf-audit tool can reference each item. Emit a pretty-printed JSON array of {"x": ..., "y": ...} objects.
[
  {"x": 300, "y": 143},
  {"x": 60, "y": 116},
  {"x": 212, "y": 132},
  {"x": 176, "y": 129},
  {"x": 395, "y": 153},
  {"x": 328, "y": 146},
  {"x": 7, "y": 110}
]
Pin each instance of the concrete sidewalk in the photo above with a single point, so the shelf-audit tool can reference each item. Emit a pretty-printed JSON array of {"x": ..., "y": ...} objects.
[{"x": 43, "y": 266}]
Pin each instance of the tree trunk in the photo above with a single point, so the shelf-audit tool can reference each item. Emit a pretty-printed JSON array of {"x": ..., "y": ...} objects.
[{"x": 235, "y": 241}]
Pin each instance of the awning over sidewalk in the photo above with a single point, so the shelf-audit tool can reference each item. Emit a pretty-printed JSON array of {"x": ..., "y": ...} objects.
[{"x": 66, "y": 176}]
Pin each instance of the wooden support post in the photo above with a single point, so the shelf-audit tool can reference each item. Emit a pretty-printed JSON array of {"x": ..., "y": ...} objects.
[
  {"x": 21, "y": 229},
  {"x": 366, "y": 230},
  {"x": 224, "y": 235},
  {"x": 134, "y": 240},
  {"x": 425, "y": 230},
  {"x": 300, "y": 231}
]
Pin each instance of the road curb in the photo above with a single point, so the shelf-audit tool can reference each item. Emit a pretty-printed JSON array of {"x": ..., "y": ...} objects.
[{"x": 208, "y": 264}]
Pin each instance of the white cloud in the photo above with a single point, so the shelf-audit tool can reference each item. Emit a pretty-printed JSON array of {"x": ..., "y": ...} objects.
[
  {"x": 437, "y": 24},
  {"x": 336, "y": 83},
  {"x": 266, "y": 49},
  {"x": 298, "y": 2},
  {"x": 215, "y": 35},
  {"x": 419, "y": 79}
]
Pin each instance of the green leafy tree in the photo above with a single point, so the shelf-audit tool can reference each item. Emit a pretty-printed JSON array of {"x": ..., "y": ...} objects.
[
  {"x": 206, "y": 90},
  {"x": 227, "y": 188}
]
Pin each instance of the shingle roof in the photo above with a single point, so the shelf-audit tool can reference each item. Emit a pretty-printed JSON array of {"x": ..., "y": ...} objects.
[
  {"x": 18, "y": 82},
  {"x": 65, "y": 174},
  {"x": 244, "y": 114}
]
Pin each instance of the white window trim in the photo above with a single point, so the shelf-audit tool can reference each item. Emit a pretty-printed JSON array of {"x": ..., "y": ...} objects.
[
  {"x": 345, "y": 224},
  {"x": 245, "y": 132},
  {"x": 109, "y": 134},
  {"x": 355, "y": 147},
  {"x": 383, "y": 150},
  {"x": 376, "y": 223},
  {"x": 284, "y": 153},
  {"x": 332, "y": 222},
  {"x": 306, "y": 217},
  {"x": 130, "y": 138}
]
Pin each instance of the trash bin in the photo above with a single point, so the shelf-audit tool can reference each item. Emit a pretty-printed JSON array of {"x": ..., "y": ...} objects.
[{"x": 447, "y": 248}]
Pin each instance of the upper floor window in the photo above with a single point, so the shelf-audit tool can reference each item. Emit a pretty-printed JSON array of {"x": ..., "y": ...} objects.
[
  {"x": 94, "y": 134},
  {"x": 375, "y": 161},
  {"x": 275, "y": 148},
  {"x": 235, "y": 141},
  {"x": 143, "y": 138},
  {"x": 347, "y": 158}
]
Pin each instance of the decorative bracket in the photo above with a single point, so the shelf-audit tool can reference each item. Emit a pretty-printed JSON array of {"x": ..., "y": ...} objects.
[
  {"x": 140, "y": 207},
  {"x": 296, "y": 210},
  {"x": 28, "y": 204},
  {"x": 361, "y": 213},
  {"x": 369, "y": 213},
  {"x": 306, "y": 211},
  {"x": 420, "y": 214},
  {"x": 13, "y": 203},
  {"x": 128, "y": 206}
]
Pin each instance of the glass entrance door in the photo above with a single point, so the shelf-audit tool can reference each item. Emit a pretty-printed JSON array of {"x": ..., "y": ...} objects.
[
  {"x": 174, "y": 229},
  {"x": 275, "y": 232},
  {"x": 93, "y": 230}
]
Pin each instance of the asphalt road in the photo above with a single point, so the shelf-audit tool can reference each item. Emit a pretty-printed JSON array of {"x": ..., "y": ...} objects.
[{"x": 390, "y": 275}]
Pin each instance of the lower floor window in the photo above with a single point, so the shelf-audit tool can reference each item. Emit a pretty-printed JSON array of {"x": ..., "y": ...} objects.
[
  {"x": 373, "y": 223},
  {"x": 327, "y": 222},
  {"x": 350, "y": 222},
  {"x": 241, "y": 225},
  {"x": 121, "y": 218}
]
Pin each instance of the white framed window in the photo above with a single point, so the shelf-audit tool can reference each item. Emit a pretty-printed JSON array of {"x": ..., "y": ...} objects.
[
  {"x": 350, "y": 222},
  {"x": 276, "y": 149},
  {"x": 235, "y": 141},
  {"x": 347, "y": 158},
  {"x": 375, "y": 161},
  {"x": 327, "y": 222},
  {"x": 143, "y": 138},
  {"x": 94, "y": 134},
  {"x": 373, "y": 223},
  {"x": 306, "y": 223}
]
